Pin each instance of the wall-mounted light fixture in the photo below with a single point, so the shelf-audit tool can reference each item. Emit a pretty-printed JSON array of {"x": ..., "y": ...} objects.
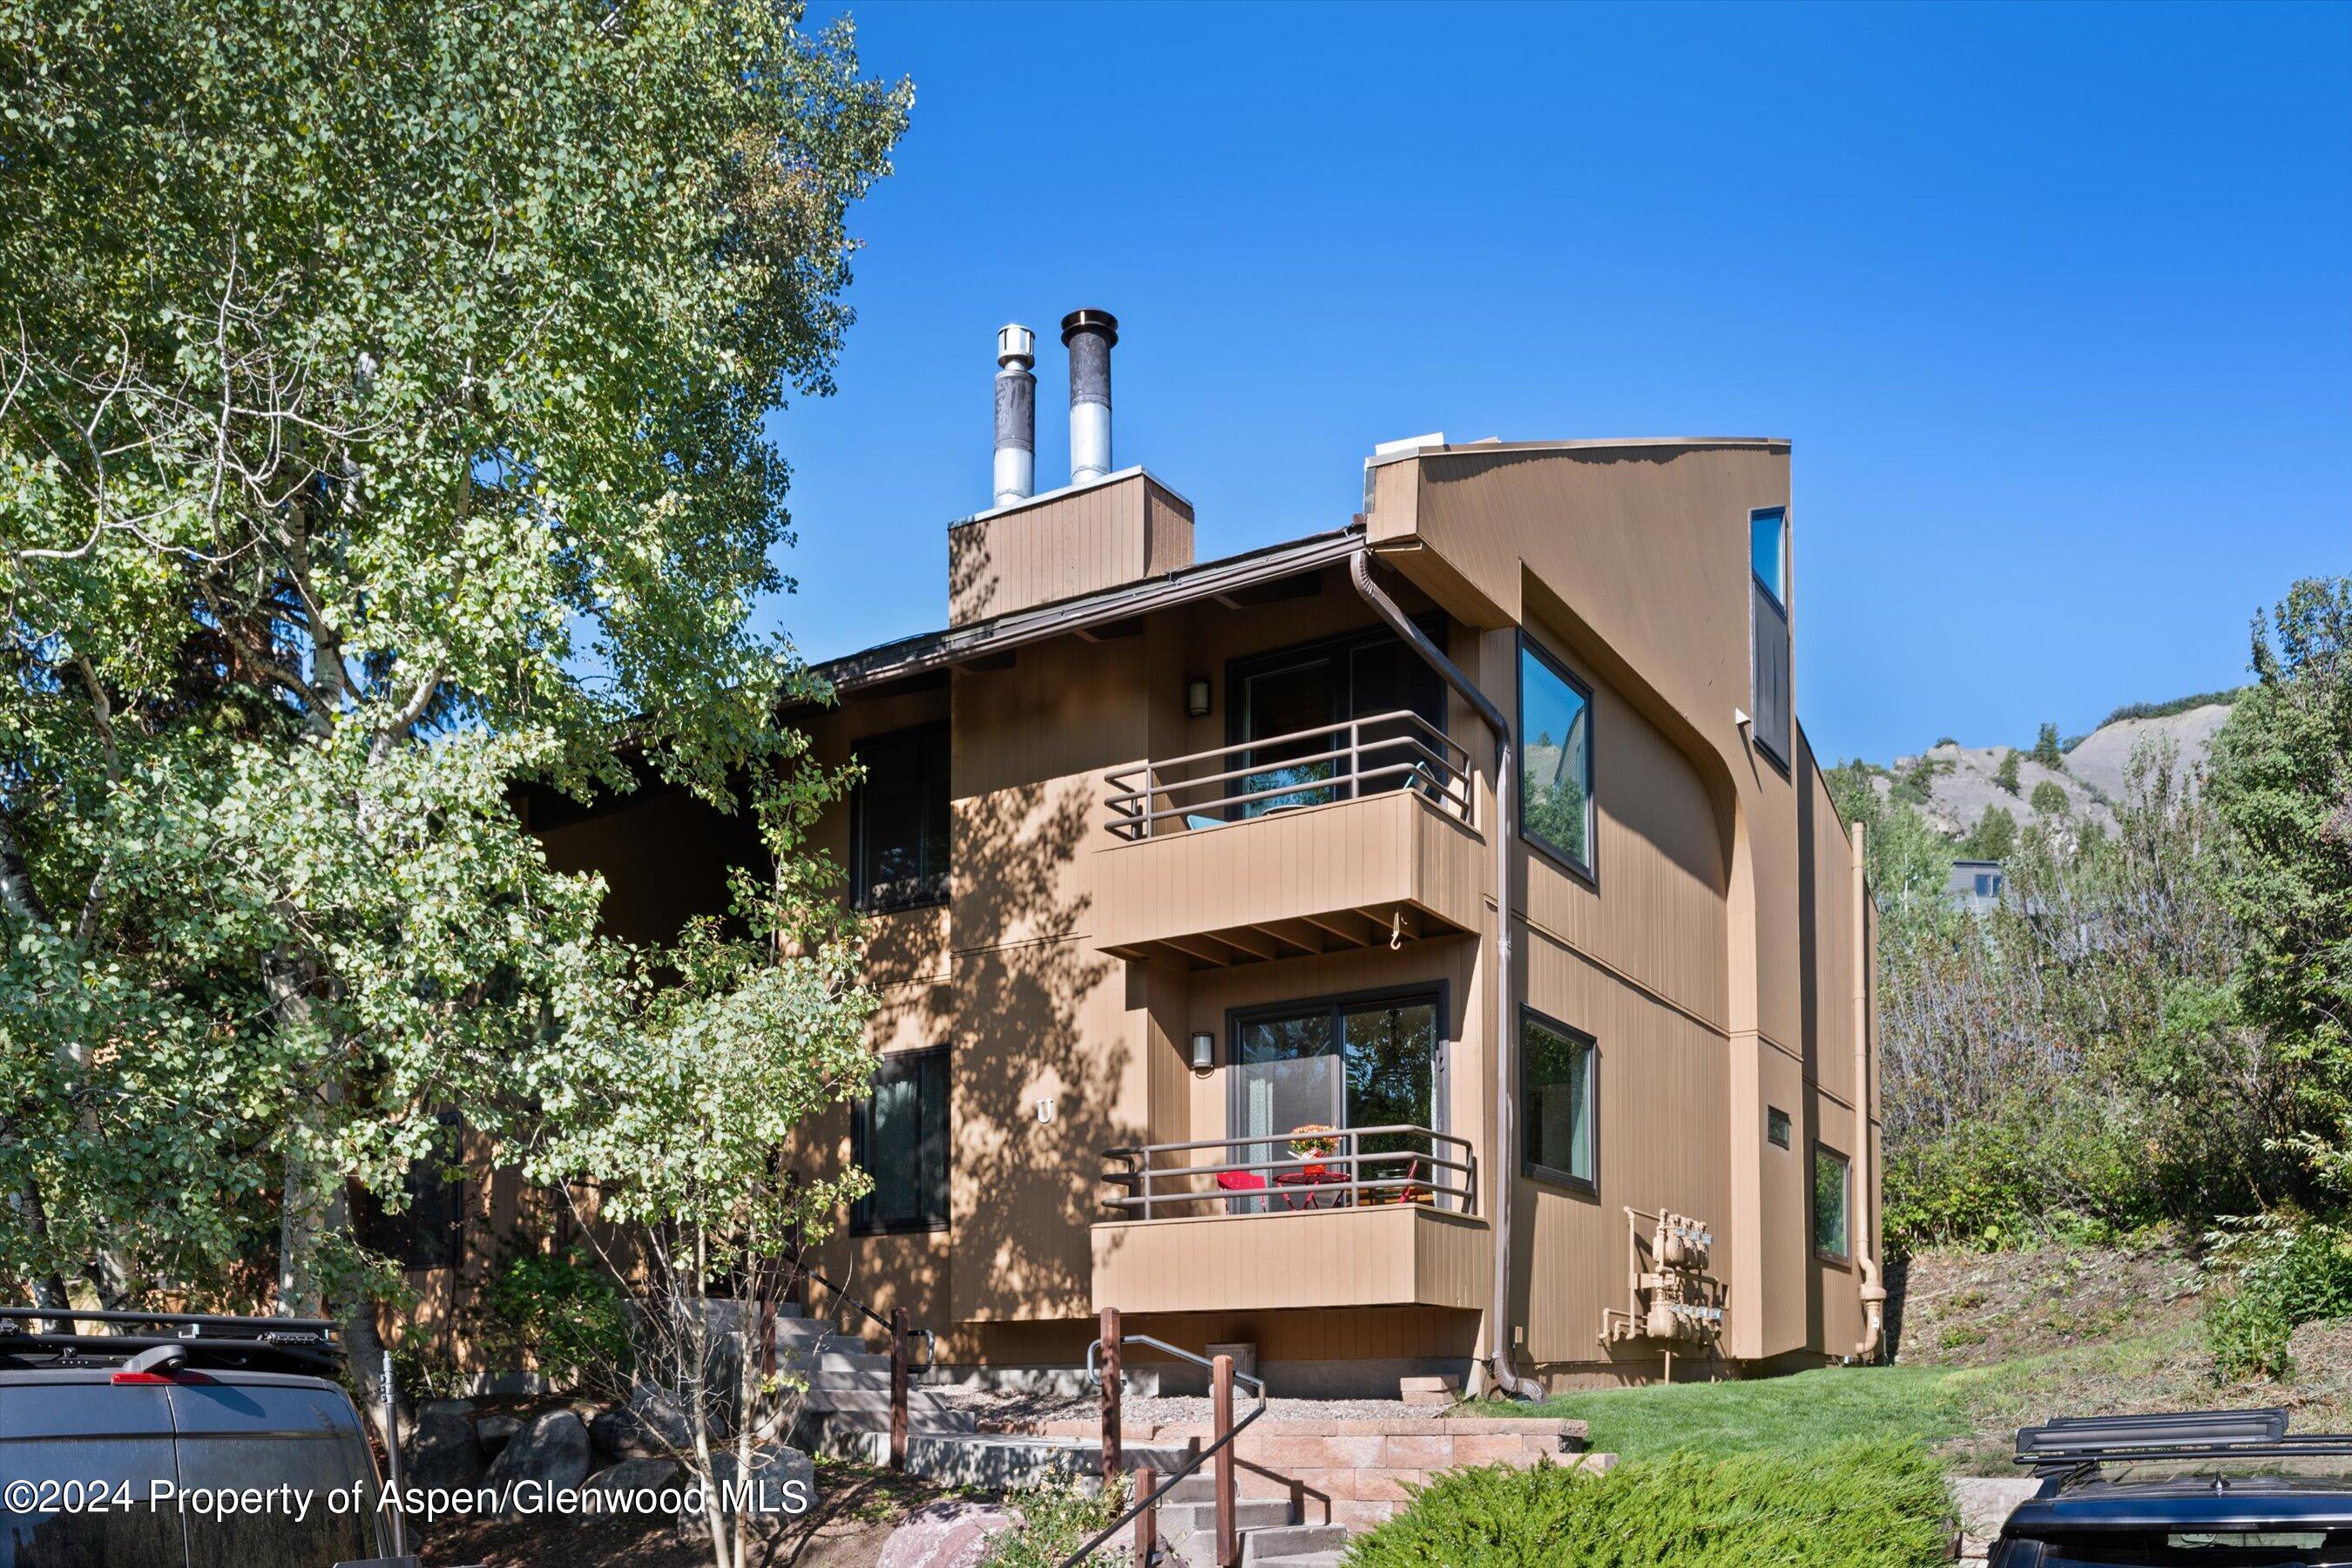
[
  {"x": 1196, "y": 697},
  {"x": 1204, "y": 1051}
]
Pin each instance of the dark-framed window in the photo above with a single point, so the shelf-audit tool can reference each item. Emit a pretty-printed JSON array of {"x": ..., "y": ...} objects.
[
  {"x": 429, "y": 1231},
  {"x": 1293, "y": 691},
  {"x": 1776, "y": 1126},
  {"x": 900, "y": 823},
  {"x": 1559, "y": 1102},
  {"x": 1555, "y": 758},
  {"x": 1832, "y": 1205},
  {"x": 898, "y": 1135},
  {"x": 1768, "y": 615},
  {"x": 1374, "y": 1059}
]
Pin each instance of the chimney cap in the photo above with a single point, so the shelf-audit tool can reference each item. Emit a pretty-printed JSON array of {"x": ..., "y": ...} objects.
[
  {"x": 1101, "y": 321},
  {"x": 1016, "y": 342}
]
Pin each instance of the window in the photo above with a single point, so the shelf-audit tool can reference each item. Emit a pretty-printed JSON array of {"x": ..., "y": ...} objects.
[
  {"x": 1558, "y": 1102},
  {"x": 1768, "y": 615},
  {"x": 899, "y": 1137},
  {"x": 1776, "y": 1125},
  {"x": 1766, "y": 552},
  {"x": 1555, "y": 758},
  {"x": 899, "y": 820},
  {"x": 429, "y": 1232},
  {"x": 1987, "y": 884},
  {"x": 1832, "y": 1197}
]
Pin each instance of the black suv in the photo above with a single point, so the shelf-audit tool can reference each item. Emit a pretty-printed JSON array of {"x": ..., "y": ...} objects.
[
  {"x": 2222, "y": 1488},
  {"x": 177, "y": 1440}
]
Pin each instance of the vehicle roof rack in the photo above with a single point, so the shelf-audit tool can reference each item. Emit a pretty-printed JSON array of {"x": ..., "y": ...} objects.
[
  {"x": 2079, "y": 1444},
  {"x": 48, "y": 1337}
]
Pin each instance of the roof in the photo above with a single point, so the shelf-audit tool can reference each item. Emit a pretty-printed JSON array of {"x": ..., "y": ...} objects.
[{"x": 1203, "y": 579}]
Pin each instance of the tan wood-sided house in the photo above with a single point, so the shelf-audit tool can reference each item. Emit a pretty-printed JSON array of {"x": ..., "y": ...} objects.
[{"x": 1169, "y": 858}]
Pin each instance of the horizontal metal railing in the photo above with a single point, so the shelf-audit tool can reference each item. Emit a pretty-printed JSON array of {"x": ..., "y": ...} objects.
[
  {"x": 1307, "y": 767},
  {"x": 1433, "y": 1168}
]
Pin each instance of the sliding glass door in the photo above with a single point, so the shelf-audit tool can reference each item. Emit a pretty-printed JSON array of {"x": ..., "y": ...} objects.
[
  {"x": 1376, "y": 1062},
  {"x": 1312, "y": 693}
]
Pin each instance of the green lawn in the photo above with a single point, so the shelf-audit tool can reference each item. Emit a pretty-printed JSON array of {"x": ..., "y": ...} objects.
[{"x": 1809, "y": 1410}]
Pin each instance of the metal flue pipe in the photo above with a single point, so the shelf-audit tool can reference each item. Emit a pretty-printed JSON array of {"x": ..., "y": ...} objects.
[
  {"x": 1016, "y": 414},
  {"x": 1498, "y": 1333},
  {"x": 1089, "y": 335}
]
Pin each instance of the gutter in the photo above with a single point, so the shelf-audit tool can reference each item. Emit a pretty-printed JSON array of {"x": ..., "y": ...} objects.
[
  {"x": 1873, "y": 1292},
  {"x": 1498, "y": 1343}
]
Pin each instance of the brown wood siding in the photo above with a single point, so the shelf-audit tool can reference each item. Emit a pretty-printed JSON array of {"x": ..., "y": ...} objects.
[
  {"x": 1068, "y": 543},
  {"x": 1393, "y": 1255}
]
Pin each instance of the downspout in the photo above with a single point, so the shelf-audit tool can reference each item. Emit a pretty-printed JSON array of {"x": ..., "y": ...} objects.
[
  {"x": 1499, "y": 1346},
  {"x": 1874, "y": 1293}
]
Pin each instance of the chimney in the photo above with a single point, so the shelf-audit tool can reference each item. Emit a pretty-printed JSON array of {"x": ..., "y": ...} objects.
[
  {"x": 1089, "y": 335},
  {"x": 1016, "y": 414}
]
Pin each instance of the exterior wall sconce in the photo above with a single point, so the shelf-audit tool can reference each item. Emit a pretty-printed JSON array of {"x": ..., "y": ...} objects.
[
  {"x": 1204, "y": 1051},
  {"x": 1196, "y": 697}
]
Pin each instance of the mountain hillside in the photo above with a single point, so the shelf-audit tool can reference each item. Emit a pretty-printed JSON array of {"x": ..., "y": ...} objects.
[{"x": 1955, "y": 784}]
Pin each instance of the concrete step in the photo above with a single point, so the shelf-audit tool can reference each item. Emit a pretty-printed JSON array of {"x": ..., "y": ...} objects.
[
  {"x": 1249, "y": 1513},
  {"x": 1313, "y": 1560},
  {"x": 975, "y": 1460},
  {"x": 918, "y": 1400},
  {"x": 1285, "y": 1543}
]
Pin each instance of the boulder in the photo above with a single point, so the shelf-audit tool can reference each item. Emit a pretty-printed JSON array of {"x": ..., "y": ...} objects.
[
  {"x": 552, "y": 1450},
  {"x": 443, "y": 1450},
  {"x": 497, "y": 1431},
  {"x": 632, "y": 1476},
  {"x": 651, "y": 1425},
  {"x": 786, "y": 1478},
  {"x": 944, "y": 1535}
]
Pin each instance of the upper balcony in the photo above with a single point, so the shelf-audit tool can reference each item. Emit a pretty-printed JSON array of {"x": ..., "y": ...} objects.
[{"x": 1358, "y": 834}]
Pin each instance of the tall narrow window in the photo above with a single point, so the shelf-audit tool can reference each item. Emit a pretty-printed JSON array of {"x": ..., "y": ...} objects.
[
  {"x": 1555, "y": 758},
  {"x": 1833, "y": 1201},
  {"x": 899, "y": 824},
  {"x": 898, "y": 1136},
  {"x": 1768, "y": 614},
  {"x": 1558, "y": 1102}
]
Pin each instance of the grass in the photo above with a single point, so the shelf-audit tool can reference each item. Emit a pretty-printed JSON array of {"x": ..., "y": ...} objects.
[{"x": 1969, "y": 1415}]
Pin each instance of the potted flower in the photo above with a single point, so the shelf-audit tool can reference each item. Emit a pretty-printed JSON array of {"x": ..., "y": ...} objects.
[{"x": 1314, "y": 1142}]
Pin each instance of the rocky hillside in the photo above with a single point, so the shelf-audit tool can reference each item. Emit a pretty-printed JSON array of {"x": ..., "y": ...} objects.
[{"x": 1959, "y": 783}]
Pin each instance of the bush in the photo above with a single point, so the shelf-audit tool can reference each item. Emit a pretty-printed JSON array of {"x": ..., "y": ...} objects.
[
  {"x": 2283, "y": 1275},
  {"x": 564, "y": 1309},
  {"x": 1879, "y": 1504},
  {"x": 1056, "y": 1518},
  {"x": 2049, "y": 799}
]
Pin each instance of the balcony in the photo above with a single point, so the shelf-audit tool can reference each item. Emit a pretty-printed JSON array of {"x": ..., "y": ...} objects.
[
  {"x": 1356, "y": 834},
  {"x": 1385, "y": 1217}
]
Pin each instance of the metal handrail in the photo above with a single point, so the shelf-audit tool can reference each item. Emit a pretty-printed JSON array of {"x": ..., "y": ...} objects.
[
  {"x": 1429, "y": 756},
  {"x": 930, "y": 1340},
  {"x": 1257, "y": 1386},
  {"x": 1138, "y": 1173}
]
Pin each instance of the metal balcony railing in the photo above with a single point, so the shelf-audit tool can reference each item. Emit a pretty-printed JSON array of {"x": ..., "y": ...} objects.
[
  {"x": 1263, "y": 1175},
  {"x": 1283, "y": 772}
]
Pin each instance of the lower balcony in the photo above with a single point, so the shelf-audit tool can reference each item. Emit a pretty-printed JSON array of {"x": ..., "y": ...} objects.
[{"x": 1371, "y": 1216}]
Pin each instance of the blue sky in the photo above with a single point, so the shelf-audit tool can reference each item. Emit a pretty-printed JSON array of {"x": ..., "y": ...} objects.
[{"x": 2055, "y": 303}]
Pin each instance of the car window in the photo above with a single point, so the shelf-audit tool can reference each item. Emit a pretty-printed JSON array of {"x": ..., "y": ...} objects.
[
  {"x": 88, "y": 1501},
  {"x": 257, "y": 1437}
]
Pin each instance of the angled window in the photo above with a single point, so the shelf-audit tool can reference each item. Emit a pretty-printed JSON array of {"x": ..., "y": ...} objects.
[
  {"x": 1767, "y": 552},
  {"x": 1555, "y": 758},
  {"x": 1776, "y": 1126},
  {"x": 1767, "y": 616},
  {"x": 1833, "y": 1202},
  {"x": 1558, "y": 1103},
  {"x": 898, "y": 1135},
  {"x": 899, "y": 820}
]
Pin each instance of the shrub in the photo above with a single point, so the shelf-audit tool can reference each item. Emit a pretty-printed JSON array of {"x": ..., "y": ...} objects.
[
  {"x": 1880, "y": 1504},
  {"x": 564, "y": 1309},
  {"x": 2282, "y": 1275},
  {"x": 2049, "y": 799},
  {"x": 1056, "y": 1518}
]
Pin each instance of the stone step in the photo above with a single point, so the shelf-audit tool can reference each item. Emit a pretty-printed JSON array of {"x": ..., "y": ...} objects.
[
  {"x": 1285, "y": 1543},
  {"x": 987, "y": 1461},
  {"x": 1249, "y": 1513},
  {"x": 918, "y": 1400}
]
